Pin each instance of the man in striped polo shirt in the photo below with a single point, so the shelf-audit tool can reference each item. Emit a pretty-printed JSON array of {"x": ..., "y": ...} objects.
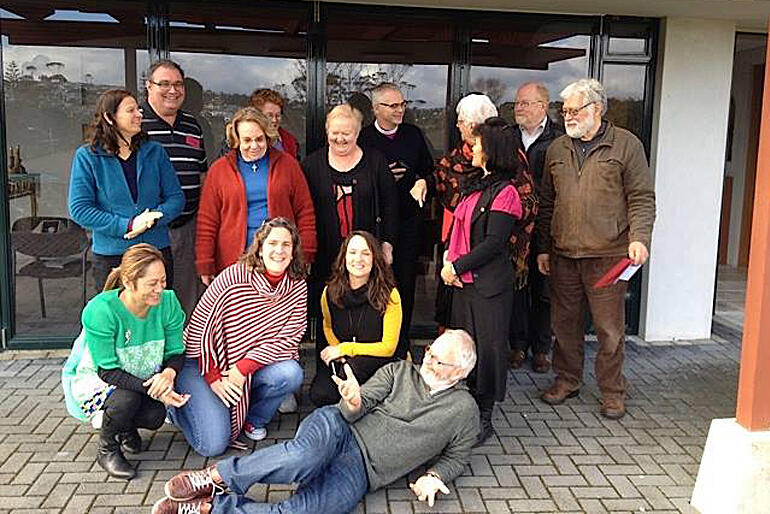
[{"x": 182, "y": 137}]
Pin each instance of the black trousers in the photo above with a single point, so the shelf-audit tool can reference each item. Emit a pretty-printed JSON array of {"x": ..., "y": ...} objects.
[
  {"x": 405, "y": 254},
  {"x": 103, "y": 264},
  {"x": 487, "y": 321},
  {"x": 127, "y": 410}
]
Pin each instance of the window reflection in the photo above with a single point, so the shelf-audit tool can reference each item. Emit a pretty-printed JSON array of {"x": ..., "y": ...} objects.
[
  {"x": 504, "y": 57},
  {"x": 230, "y": 53},
  {"x": 625, "y": 91},
  {"x": 50, "y": 93}
]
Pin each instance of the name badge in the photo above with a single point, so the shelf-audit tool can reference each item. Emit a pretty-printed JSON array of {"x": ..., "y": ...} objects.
[{"x": 192, "y": 141}]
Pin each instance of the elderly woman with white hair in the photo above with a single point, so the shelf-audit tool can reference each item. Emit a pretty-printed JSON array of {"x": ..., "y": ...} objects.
[
  {"x": 472, "y": 110},
  {"x": 352, "y": 189}
]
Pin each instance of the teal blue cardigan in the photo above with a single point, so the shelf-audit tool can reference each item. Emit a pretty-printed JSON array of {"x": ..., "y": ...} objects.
[{"x": 99, "y": 198}]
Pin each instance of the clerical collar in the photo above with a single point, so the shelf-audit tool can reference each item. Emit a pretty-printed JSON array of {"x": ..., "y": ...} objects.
[{"x": 383, "y": 131}]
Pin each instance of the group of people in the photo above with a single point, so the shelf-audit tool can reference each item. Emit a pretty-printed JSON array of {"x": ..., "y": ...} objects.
[{"x": 532, "y": 218}]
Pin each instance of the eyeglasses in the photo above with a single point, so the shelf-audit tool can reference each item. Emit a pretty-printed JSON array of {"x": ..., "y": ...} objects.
[
  {"x": 165, "y": 85},
  {"x": 397, "y": 105},
  {"x": 574, "y": 112},
  {"x": 526, "y": 104},
  {"x": 429, "y": 355}
]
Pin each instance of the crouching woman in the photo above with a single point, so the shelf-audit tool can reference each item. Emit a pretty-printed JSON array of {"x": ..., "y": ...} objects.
[
  {"x": 243, "y": 343},
  {"x": 120, "y": 374}
]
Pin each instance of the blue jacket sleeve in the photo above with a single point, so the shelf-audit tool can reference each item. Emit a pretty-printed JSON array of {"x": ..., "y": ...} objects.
[
  {"x": 83, "y": 205},
  {"x": 171, "y": 195}
]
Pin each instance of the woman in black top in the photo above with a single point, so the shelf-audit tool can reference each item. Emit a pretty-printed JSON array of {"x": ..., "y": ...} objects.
[
  {"x": 352, "y": 189},
  {"x": 361, "y": 315}
]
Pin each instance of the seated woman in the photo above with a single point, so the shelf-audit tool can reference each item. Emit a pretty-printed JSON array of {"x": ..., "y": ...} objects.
[
  {"x": 121, "y": 372},
  {"x": 361, "y": 314},
  {"x": 243, "y": 343}
]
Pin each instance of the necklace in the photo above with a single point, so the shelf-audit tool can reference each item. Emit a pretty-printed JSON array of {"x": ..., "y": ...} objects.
[{"x": 354, "y": 329}]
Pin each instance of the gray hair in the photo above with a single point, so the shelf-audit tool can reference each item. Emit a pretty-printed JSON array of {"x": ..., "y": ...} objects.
[
  {"x": 591, "y": 89},
  {"x": 475, "y": 108},
  {"x": 465, "y": 348},
  {"x": 381, "y": 88},
  {"x": 540, "y": 89}
]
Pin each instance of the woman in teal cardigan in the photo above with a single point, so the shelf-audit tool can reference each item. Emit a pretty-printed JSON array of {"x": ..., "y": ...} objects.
[
  {"x": 122, "y": 187},
  {"x": 121, "y": 373}
]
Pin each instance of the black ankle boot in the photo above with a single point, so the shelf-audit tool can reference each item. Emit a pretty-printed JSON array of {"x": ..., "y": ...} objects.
[
  {"x": 111, "y": 459},
  {"x": 485, "y": 422},
  {"x": 130, "y": 442}
]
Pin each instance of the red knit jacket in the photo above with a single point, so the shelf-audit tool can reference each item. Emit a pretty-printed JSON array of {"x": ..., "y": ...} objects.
[
  {"x": 290, "y": 143},
  {"x": 222, "y": 213}
]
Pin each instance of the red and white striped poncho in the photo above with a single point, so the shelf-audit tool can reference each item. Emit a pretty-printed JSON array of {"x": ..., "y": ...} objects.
[{"x": 241, "y": 316}]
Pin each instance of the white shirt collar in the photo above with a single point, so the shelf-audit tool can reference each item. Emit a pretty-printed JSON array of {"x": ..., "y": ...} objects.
[{"x": 383, "y": 131}]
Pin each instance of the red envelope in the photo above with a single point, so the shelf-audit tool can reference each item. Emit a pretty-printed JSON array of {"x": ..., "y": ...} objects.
[{"x": 614, "y": 272}]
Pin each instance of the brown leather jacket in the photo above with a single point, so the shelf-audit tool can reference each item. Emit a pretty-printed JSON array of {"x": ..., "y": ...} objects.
[{"x": 596, "y": 210}]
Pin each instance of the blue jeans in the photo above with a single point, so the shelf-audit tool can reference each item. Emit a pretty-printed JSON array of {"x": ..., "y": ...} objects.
[
  {"x": 324, "y": 458},
  {"x": 205, "y": 420}
]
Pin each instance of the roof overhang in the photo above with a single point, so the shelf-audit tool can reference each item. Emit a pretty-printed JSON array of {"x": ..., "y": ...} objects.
[{"x": 748, "y": 15}]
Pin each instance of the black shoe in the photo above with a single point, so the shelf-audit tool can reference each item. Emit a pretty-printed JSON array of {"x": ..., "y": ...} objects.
[
  {"x": 111, "y": 459},
  {"x": 486, "y": 429},
  {"x": 130, "y": 442}
]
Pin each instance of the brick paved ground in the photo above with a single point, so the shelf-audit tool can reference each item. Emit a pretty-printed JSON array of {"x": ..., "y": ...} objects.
[{"x": 542, "y": 459}]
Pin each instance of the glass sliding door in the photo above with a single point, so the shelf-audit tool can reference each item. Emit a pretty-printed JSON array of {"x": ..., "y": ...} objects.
[
  {"x": 510, "y": 51},
  {"x": 412, "y": 50},
  {"x": 56, "y": 62},
  {"x": 228, "y": 51}
]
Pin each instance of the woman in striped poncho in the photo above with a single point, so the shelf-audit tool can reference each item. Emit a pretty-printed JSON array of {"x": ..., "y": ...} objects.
[{"x": 242, "y": 343}]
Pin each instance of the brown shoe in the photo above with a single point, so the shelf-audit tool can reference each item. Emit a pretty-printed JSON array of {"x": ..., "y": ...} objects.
[
  {"x": 168, "y": 506},
  {"x": 517, "y": 359},
  {"x": 613, "y": 407},
  {"x": 540, "y": 363},
  {"x": 192, "y": 485},
  {"x": 558, "y": 392}
]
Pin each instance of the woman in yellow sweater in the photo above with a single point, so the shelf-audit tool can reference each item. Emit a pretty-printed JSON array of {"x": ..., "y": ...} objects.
[{"x": 361, "y": 315}]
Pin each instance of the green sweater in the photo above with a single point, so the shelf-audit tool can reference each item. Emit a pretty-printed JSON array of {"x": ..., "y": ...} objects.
[
  {"x": 117, "y": 339},
  {"x": 402, "y": 426}
]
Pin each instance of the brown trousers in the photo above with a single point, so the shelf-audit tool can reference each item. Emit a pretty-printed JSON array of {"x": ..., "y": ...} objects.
[{"x": 572, "y": 287}]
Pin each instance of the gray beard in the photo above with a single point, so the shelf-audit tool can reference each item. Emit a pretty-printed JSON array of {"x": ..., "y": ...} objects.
[{"x": 432, "y": 382}]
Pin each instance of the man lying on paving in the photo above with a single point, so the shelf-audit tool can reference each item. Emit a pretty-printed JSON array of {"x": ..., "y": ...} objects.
[{"x": 401, "y": 418}]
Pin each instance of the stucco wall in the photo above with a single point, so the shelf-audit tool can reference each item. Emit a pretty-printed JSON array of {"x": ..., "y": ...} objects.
[{"x": 688, "y": 150}]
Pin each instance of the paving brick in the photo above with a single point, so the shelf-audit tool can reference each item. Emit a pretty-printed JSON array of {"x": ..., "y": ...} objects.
[
  {"x": 593, "y": 475},
  {"x": 594, "y": 492},
  {"x": 502, "y": 493},
  {"x": 627, "y": 504},
  {"x": 623, "y": 486},
  {"x": 471, "y": 500},
  {"x": 534, "y": 487},
  {"x": 531, "y": 505}
]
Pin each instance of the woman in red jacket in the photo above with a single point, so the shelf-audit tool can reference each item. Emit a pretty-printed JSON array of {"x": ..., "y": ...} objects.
[{"x": 252, "y": 183}]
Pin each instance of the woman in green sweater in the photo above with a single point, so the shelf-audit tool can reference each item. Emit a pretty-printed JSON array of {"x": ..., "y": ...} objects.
[
  {"x": 361, "y": 315},
  {"x": 120, "y": 375}
]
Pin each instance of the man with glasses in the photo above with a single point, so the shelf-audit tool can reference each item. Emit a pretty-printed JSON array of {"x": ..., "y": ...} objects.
[
  {"x": 182, "y": 138},
  {"x": 597, "y": 206},
  {"x": 411, "y": 163},
  {"x": 401, "y": 418},
  {"x": 537, "y": 132}
]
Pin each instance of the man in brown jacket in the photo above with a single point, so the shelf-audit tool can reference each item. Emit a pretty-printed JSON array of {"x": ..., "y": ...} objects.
[{"x": 597, "y": 206}]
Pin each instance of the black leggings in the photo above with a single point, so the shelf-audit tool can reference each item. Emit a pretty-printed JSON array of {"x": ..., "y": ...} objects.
[{"x": 127, "y": 410}]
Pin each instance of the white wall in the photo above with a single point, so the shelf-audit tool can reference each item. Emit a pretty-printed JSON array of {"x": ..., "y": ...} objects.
[
  {"x": 688, "y": 150},
  {"x": 743, "y": 79}
]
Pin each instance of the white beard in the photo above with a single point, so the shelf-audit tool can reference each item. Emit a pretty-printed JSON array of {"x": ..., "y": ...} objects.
[
  {"x": 432, "y": 381},
  {"x": 579, "y": 130}
]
